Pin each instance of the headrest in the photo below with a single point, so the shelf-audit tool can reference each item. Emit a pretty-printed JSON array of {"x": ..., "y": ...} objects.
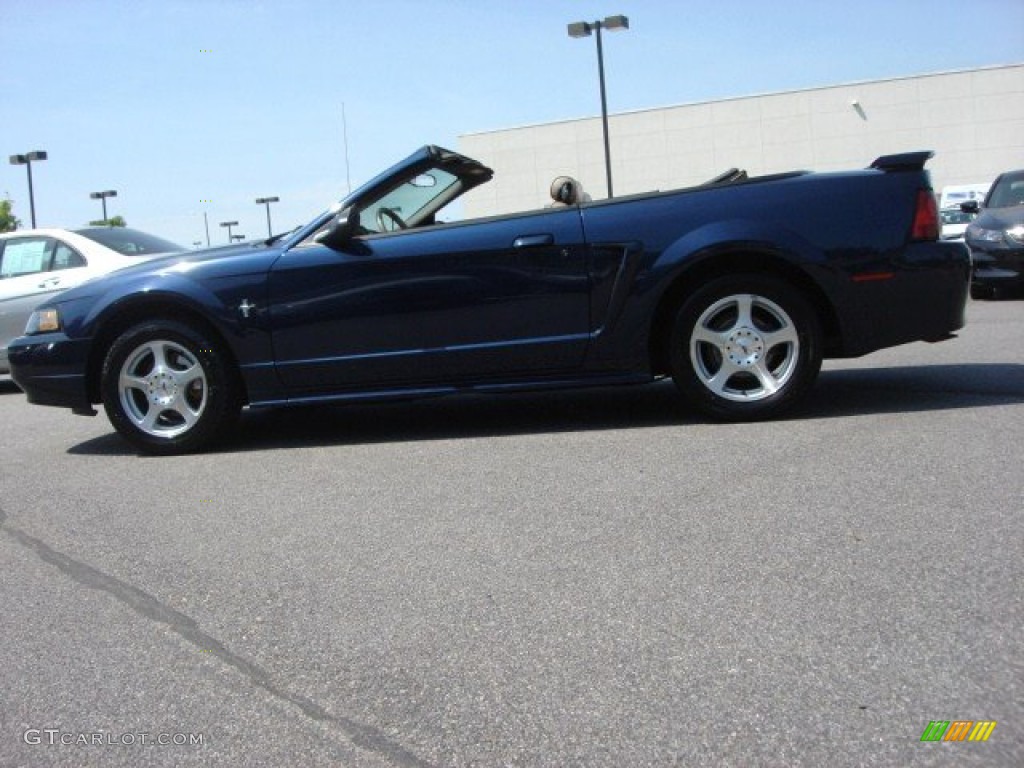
[{"x": 567, "y": 191}]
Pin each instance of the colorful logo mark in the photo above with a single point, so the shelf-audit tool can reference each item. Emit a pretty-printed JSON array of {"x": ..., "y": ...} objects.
[{"x": 958, "y": 730}]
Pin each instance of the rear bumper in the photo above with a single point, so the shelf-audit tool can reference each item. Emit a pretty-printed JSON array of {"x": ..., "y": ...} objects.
[
  {"x": 51, "y": 369},
  {"x": 920, "y": 295}
]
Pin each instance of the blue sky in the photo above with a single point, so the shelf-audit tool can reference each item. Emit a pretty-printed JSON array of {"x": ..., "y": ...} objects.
[{"x": 185, "y": 106}]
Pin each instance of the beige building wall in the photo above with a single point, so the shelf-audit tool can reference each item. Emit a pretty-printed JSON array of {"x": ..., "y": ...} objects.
[{"x": 974, "y": 120}]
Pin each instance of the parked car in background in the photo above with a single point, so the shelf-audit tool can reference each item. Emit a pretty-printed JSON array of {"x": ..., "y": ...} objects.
[
  {"x": 954, "y": 222},
  {"x": 996, "y": 238},
  {"x": 736, "y": 289},
  {"x": 952, "y": 195},
  {"x": 35, "y": 263}
]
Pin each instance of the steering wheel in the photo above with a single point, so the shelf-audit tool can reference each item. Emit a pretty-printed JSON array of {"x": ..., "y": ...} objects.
[{"x": 383, "y": 214}]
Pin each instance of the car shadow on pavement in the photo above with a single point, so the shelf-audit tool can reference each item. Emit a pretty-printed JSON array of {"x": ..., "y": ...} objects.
[
  {"x": 8, "y": 387},
  {"x": 865, "y": 391},
  {"x": 839, "y": 393}
]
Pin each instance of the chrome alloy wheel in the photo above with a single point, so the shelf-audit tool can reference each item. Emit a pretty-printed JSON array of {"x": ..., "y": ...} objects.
[
  {"x": 744, "y": 348},
  {"x": 162, "y": 388}
]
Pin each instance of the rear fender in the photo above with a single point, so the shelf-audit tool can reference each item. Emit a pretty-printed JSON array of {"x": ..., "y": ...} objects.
[{"x": 736, "y": 235}]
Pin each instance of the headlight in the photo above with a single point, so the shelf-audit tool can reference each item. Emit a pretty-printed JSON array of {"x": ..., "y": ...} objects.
[
  {"x": 1016, "y": 234},
  {"x": 985, "y": 235},
  {"x": 43, "y": 321}
]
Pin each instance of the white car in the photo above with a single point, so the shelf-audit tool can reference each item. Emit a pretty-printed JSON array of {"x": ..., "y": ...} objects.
[
  {"x": 954, "y": 223},
  {"x": 37, "y": 262}
]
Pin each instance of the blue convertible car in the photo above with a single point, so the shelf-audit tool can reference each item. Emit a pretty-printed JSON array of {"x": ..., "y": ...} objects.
[{"x": 736, "y": 289}]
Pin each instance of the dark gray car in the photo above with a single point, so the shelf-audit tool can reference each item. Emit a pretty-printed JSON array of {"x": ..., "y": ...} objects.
[{"x": 996, "y": 238}]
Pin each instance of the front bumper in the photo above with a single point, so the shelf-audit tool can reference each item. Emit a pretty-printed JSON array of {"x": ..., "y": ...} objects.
[
  {"x": 997, "y": 267},
  {"x": 52, "y": 370}
]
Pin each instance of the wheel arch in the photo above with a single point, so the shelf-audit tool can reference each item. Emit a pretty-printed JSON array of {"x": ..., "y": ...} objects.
[
  {"x": 133, "y": 311},
  {"x": 736, "y": 261}
]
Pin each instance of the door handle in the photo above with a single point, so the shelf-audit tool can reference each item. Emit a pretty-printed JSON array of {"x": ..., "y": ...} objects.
[
  {"x": 532, "y": 241},
  {"x": 50, "y": 282}
]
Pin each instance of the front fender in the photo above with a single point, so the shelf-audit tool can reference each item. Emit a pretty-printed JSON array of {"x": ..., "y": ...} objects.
[
  {"x": 234, "y": 306},
  {"x": 161, "y": 290}
]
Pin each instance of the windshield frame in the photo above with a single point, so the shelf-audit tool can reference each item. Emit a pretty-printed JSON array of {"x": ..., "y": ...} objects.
[{"x": 470, "y": 174}]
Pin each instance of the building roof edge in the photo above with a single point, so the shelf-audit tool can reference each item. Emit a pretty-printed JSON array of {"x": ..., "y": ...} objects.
[{"x": 849, "y": 84}]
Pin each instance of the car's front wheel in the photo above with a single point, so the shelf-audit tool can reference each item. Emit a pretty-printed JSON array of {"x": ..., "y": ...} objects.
[
  {"x": 167, "y": 387},
  {"x": 745, "y": 347}
]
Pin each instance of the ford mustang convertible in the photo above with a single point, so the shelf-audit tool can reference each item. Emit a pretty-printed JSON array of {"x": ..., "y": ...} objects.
[{"x": 736, "y": 289}]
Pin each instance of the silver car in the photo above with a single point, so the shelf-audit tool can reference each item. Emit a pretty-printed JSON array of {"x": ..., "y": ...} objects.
[{"x": 37, "y": 262}]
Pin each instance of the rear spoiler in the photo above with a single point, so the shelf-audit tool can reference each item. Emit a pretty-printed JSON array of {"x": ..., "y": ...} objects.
[{"x": 908, "y": 161}]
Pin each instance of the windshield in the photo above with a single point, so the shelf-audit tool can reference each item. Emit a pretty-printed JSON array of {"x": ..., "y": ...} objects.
[
  {"x": 1008, "y": 192},
  {"x": 407, "y": 196},
  {"x": 956, "y": 216},
  {"x": 406, "y": 201},
  {"x": 129, "y": 242}
]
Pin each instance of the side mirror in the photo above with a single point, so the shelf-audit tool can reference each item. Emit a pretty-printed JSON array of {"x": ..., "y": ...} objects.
[
  {"x": 342, "y": 228},
  {"x": 971, "y": 206}
]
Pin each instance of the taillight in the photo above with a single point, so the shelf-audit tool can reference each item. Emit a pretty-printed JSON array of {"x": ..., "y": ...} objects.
[{"x": 926, "y": 217}]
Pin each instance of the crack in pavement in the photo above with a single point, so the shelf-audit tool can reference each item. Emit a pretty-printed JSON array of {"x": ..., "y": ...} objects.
[{"x": 363, "y": 736}]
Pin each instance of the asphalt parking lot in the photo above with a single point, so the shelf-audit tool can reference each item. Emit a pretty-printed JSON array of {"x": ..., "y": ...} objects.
[{"x": 598, "y": 578}]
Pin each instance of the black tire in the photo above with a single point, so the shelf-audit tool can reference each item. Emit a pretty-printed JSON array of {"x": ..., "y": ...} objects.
[
  {"x": 745, "y": 347},
  {"x": 168, "y": 388}
]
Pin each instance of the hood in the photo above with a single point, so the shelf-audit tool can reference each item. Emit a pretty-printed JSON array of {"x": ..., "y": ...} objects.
[
  {"x": 1000, "y": 218},
  {"x": 220, "y": 261},
  {"x": 225, "y": 261}
]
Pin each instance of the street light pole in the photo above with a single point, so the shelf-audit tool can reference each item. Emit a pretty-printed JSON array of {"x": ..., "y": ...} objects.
[
  {"x": 102, "y": 197},
  {"x": 604, "y": 109},
  {"x": 26, "y": 160},
  {"x": 584, "y": 29},
  {"x": 229, "y": 225},
  {"x": 267, "y": 201}
]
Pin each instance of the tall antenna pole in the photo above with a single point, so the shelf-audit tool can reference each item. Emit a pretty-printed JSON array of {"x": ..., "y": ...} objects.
[{"x": 344, "y": 130}]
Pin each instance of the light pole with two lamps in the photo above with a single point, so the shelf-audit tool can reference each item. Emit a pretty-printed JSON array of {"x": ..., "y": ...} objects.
[
  {"x": 102, "y": 197},
  {"x": 584, "y": 29},
  {"x": 26, "y": 160},
  {"x": 229, "y": 225},
  {"x": 267, "y": 201}
]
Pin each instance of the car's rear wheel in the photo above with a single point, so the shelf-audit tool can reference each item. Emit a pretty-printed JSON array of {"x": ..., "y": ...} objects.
[
  {"x": 168, "y": 388},
  {"x": 745, "y": 347}
]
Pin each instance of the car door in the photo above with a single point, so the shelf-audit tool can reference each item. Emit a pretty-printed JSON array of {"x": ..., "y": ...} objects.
[
  {"x": 500, "y": 298},
  {"x": 30, "y": 268}
]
